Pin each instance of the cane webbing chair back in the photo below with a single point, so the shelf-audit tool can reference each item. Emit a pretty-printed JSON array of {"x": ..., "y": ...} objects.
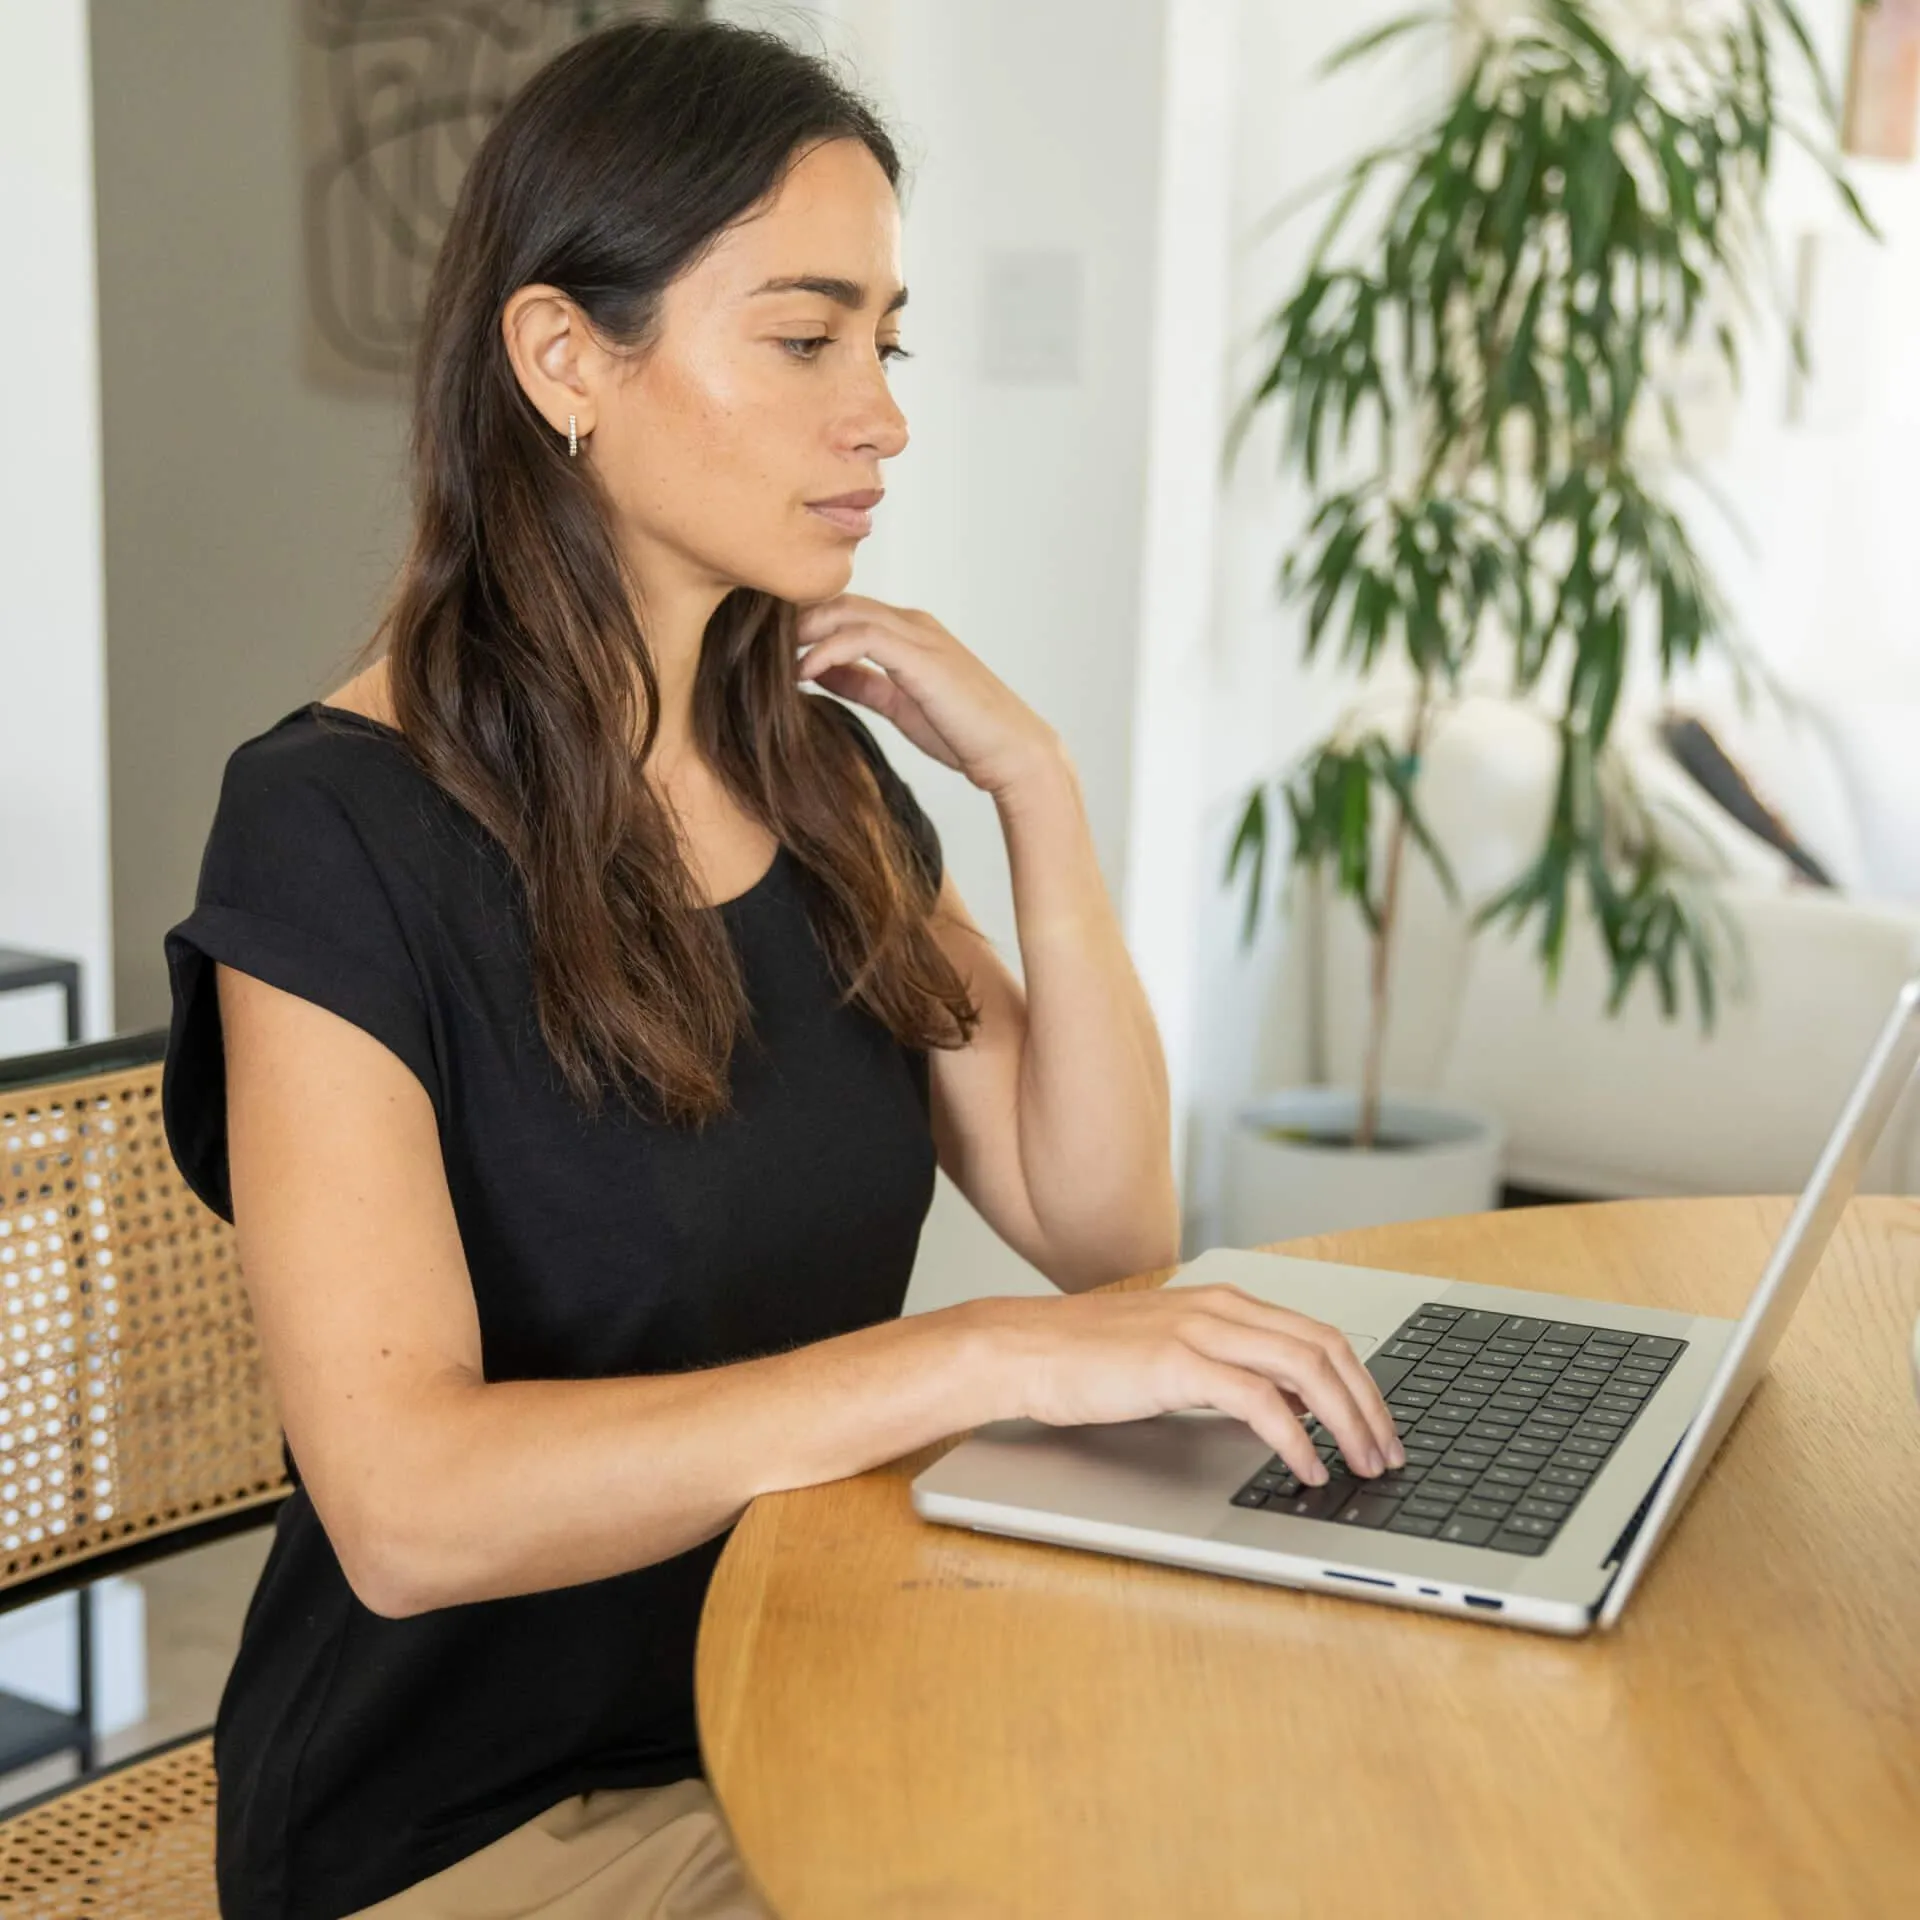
[
  {"x": 133, "y": 1398},
  {"x": 136, "y": 1421}
]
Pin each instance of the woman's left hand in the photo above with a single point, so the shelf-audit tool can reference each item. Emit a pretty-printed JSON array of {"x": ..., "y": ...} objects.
[{"x": 942, "y": 697}]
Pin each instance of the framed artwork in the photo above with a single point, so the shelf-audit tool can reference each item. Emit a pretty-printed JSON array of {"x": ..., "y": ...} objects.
[
  {"x": 395, "y": 97},
  {"x": 1883, "y": 81}
]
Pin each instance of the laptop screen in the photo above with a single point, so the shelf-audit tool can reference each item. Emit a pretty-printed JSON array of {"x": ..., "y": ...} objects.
[{"x": 1883, "y": 1079}]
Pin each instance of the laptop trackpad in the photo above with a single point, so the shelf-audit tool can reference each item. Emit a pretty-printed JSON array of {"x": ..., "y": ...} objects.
[{"x": 1173, "y": 1473}]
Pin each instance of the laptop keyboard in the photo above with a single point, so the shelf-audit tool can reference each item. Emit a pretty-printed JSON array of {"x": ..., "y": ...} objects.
[{"x": 1505, "y": 1421}]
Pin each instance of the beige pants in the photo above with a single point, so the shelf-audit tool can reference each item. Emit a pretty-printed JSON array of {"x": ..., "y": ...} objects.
[{"x": 617, "y": 1853}]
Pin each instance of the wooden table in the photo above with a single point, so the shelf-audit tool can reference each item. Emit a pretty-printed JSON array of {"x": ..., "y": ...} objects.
[{"x": 907, "y": 1720}]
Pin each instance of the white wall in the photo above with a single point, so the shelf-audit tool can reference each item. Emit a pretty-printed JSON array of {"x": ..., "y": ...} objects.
[
  {"x": 54, "y": 887},
  {"x": 1166, "y": 892}
]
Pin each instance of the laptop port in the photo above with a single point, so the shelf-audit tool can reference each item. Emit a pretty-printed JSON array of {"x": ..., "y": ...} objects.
[
  {"x": 1481, "y": 1600},
  {"x": 1334, "y": 1573}
]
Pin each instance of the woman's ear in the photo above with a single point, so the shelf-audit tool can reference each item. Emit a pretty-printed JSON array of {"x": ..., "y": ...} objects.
[{"x": 550, "y": 347}]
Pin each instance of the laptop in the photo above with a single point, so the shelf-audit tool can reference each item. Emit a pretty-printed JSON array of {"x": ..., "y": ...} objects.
[{"x": 1550, "y": 1441}]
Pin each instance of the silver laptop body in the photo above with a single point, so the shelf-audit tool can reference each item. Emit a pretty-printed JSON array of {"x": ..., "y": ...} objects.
[{"x": 1163, "y": 1489}]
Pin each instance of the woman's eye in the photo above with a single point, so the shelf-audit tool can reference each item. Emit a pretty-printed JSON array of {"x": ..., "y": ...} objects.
[{"x": 806, "y": 348}]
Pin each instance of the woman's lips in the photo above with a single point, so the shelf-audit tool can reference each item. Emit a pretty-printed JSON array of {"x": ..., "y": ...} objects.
[{"x": 857, "y": 520}]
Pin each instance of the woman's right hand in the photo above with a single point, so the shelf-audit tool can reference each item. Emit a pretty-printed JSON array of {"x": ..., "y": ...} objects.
[{"x": 1089, "y": 1359}]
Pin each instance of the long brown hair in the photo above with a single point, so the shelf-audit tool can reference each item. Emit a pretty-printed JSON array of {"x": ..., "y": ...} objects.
[{"x": 513, "y": 647}]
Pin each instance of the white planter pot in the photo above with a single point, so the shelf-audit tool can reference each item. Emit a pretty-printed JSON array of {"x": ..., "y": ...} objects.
[{"x": 1449, "y": 1162}]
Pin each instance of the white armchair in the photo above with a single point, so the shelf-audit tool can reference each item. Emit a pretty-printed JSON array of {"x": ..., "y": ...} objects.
[{"x": 1637, "y": 1104}]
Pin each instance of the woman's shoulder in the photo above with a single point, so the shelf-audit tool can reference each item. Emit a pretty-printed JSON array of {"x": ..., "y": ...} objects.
[
  {"x": 325, "y": 780},
  {"x": 350, "y": 730},
  {"x": 320, "y": 746},
  {"x": 316, "y": 734}
]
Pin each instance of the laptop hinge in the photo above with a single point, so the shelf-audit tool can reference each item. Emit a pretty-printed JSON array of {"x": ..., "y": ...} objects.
[{"x": 1633, "y": 1526}]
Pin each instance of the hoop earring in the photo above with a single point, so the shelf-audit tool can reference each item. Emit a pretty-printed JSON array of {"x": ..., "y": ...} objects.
[{"x": 573, "y": 436}]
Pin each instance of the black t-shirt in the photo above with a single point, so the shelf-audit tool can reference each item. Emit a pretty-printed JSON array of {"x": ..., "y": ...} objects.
[{"x": 357, "y": 1754}]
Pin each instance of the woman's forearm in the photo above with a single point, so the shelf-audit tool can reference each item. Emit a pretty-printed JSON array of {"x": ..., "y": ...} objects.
[
  {"x": 508, "y": 1487},
  {"x": 1093, "y": 1112}
]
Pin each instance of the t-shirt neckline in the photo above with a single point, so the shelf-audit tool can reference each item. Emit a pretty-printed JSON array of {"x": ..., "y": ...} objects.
[{"x": 317, "y": 707}]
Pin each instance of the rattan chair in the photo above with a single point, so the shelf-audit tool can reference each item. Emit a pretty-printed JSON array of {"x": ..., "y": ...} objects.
[{"x": 135, "y": 1422}]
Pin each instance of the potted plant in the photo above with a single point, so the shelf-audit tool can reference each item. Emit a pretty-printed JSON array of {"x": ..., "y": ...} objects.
[{"x": 1476, "y": 385}]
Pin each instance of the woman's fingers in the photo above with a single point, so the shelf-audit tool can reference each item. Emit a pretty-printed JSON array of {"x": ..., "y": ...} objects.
[
  {"x": 1303, "y": 1365},
  {"x": 850, "y": 631},
  {"x": 850, "y": 651},
  {"x": 855, "y": 609},
  {"x": 973, "y": 721},
  {"x": 852, "y": 646},
  {"x": 1368, "y": 1398},
  {"x": 1233, "y": 1304},
  {"x": 1257, "y": 1402},
  {"x": 867, "y": 686}
]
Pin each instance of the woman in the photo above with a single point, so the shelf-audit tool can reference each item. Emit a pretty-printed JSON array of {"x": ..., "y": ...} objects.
[{"x": 574, "y": 1011}]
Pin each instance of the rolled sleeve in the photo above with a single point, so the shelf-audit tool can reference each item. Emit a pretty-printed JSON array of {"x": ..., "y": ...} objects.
[{"x": 290, "y": 893}]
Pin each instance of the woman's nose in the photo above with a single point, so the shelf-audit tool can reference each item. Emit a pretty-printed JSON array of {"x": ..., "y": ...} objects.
[{"x": 877, "y": 424}]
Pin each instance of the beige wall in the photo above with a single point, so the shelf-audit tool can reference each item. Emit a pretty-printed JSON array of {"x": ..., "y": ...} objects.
[{"x": 251, "y": 522}]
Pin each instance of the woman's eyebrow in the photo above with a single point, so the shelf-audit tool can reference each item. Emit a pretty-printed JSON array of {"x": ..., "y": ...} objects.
[{"x": 845, "y": 293}]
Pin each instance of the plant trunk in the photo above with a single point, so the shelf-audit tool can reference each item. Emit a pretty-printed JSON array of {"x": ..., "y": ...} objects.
[{"x": 1370, "y": 1083}]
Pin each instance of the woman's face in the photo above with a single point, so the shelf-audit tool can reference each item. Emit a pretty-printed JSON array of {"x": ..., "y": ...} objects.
[{"x": 760, "y": 398}]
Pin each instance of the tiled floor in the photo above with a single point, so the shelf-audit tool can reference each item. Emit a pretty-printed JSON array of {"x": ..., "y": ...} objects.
[{"x": 195, "y": 1603}]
